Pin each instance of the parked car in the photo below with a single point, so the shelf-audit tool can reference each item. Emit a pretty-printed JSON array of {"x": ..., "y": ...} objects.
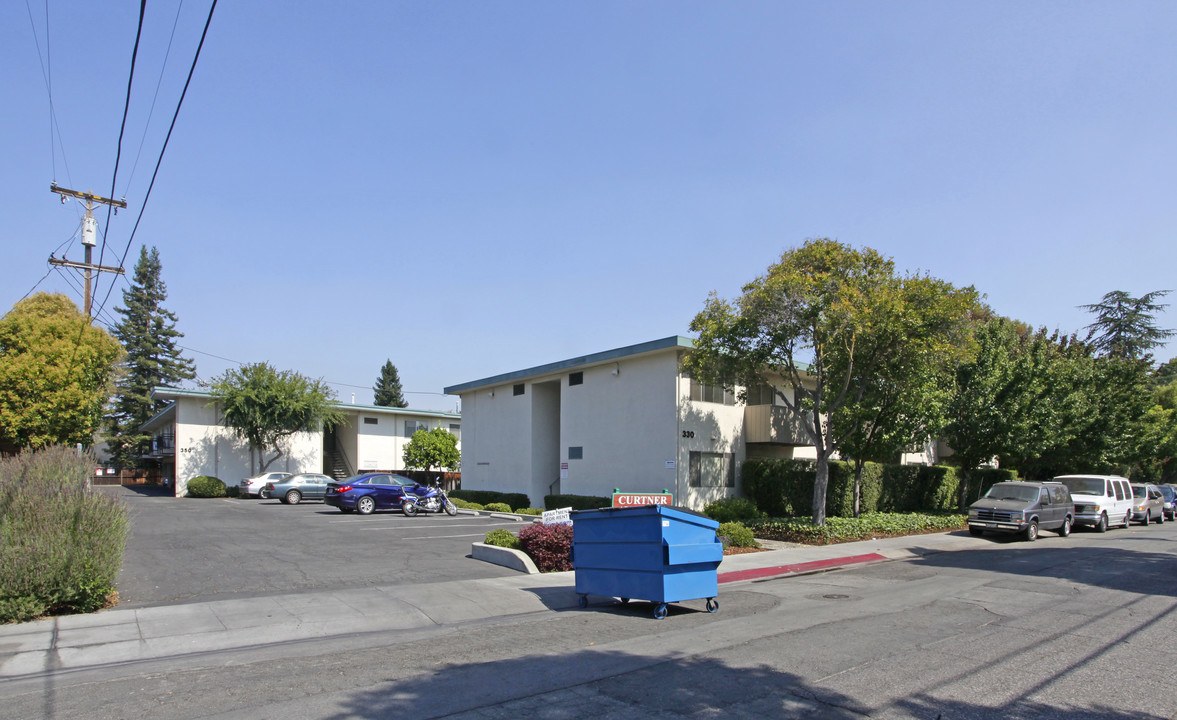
[
  {"x": 1169, "y": 496},
  {"x": 1023, "y": 507},
  {"x": 296, "y": 488},
  {"x": 1147, "y": 503},
  {"x": 367, "y": 492},
  {"x": 256, "y": 485},
  {"x": 1100, "y": 500}
]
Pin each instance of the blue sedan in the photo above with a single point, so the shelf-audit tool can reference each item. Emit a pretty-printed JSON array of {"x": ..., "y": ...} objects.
[{"x": 367, "y": 492}]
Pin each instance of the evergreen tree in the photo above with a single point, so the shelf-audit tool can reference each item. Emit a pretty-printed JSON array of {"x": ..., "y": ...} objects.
[
  {"x": 148, "y": 334},
  {"x": 1125, "y": 327},
  {"x": 388, "y": 387}
]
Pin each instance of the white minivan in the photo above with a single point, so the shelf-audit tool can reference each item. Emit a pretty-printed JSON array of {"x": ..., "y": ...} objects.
[{"x": 1100, "y": 500}]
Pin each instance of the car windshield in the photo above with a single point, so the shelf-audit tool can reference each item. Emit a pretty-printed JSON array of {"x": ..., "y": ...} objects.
[
  {"x": 1003, "y": 491},
  {"x": 1139, "y": 491},
  {"x": 1168, "y": 492},
  {"x": 1090, "y": 486}
]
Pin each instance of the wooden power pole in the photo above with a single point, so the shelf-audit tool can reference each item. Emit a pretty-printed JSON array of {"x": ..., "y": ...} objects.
[{"x": 89, "y": 237}]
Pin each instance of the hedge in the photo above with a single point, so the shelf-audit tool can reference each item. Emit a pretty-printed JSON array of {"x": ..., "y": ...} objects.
[
  {"x": 784, "y": 488},
  {"x": 869, "y": 526},
  {"x": 206, "y": 486},
  {"x": 486, "y": 497},
  {"x": 576, "y": 502}
]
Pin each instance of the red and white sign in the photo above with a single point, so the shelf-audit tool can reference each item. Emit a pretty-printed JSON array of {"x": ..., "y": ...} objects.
[{"x": 640, "y": 499}]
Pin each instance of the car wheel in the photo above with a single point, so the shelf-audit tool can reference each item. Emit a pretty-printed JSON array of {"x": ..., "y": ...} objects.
[
  {"x": 450, "y": 508},
  {"x": 409, "y": 509},
  {"x": 261, "y": 495},
  {"x": 1032, "y": 531},
  {"x": 1102, "y": 524},
  {"x": 1147, "y": 519},
  {"x": 293, "y": 497},
  {"x": 365, "y": 505},
  {"x": 1161, "y": 518},
  {"x": 1065, "y": 529},
  {"x": 976, "y": 532}
]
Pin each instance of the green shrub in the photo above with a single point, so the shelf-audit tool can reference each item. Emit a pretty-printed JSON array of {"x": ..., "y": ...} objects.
[
  {"x": 576, "y": 502},
  {"x": 502, "y": 538},
  {"x": 498, "y": 507},
  {"x": 206, "y": 486},
  {"x": 919, "y": 488},
  {"x": 61, "y": 544},
  {"x": 838, "y": 530},
  {"x": 485, "y": 497},
  {"x": 732, "y": 510},
  {"x": 736, "y": 534},
  {"x": 528, "y": 511},
  {"x": 548, "y": 546},
  {"x": 232, "y": 491},
  {"x": 464, "y": 504}
]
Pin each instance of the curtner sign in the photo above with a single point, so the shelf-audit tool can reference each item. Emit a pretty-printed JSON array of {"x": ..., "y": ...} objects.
[{"x": 621, "y": 499}]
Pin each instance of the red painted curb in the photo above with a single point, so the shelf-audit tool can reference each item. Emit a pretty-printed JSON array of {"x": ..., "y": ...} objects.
[{"x": 798, "y": 567}]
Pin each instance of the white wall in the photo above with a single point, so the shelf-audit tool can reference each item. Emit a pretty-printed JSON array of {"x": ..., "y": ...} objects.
[
  {"x": 203, "y": 447},
  {"x": 624, "y": 417},
  {"x": 496, "y": 441}
]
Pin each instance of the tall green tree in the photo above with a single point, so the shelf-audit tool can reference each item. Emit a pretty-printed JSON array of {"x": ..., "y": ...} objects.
[
  {"x": 436, "y": 448},
  {"x": 148, "y": 334},
  {"x": 56, "y": 373},
  {"x": 822, "y": 319},
  {"x": 388, "y": 387},
  {"x": 265, "y": 406},
  {"x": 903, "y": 400},
  {"x": 1125, "y": 327}
]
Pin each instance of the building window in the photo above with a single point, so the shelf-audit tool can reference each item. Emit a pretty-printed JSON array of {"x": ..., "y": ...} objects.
[
  {"x": 456, "y": 431},
  {"x": 412, "y": 426},
  {"x": 518, "y": 389},
  {"x": 761, "y": 394},
  {"x": 370, "y": 421},
  {"x": 711, "y": 469},
  {"x": 711, "y": 393},
  {"x": 576, "y": 452},
  {"x": 576, "y": 378}
]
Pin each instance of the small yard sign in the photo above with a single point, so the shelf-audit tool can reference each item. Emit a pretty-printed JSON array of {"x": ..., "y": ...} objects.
[
  {"x": 559, "y": 516},
  {"x": 621, "y": 499}
]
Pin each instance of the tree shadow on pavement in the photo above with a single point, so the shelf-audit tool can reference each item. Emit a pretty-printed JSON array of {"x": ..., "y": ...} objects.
[
  {"x": 1114, "y": 568},
  {"x": 609, "y": 685}
]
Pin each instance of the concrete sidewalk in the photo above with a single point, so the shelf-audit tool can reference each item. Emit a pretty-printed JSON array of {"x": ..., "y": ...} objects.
[{"x": 121, "y": 636}]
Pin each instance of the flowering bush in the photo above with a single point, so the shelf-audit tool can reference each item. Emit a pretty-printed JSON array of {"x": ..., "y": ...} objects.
[{"x": 548, "y": 546}]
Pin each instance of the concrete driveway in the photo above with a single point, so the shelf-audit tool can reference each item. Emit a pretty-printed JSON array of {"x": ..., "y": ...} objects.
[{"x": 187, "y": 549}]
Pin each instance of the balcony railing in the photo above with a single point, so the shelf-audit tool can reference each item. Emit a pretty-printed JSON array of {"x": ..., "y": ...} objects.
[{"x": 773, "y": 424}]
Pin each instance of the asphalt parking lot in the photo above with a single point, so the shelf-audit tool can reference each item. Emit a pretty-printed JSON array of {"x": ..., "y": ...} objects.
[{"x": 187, "y": 549}]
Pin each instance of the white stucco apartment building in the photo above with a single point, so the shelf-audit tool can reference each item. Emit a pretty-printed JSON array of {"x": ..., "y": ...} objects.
[
  {"x": 627, "y": 419},
  {"x": 189, "y": 441}
]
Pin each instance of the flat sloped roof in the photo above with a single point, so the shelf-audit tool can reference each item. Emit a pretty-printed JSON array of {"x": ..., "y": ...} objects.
[{"x": 674, "y": 341}]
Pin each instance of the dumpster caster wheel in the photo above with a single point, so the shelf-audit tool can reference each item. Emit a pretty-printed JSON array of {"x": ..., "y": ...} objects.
[
  {"x": 712, "y": 605},
  {"x": 660, "y": 612},
  {"x": 624, "y": 601},
  {"x": 583, "y": 602}
]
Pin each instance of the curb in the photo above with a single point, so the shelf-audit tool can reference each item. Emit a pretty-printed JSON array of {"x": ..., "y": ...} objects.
[{"x": 514, "y": 559}]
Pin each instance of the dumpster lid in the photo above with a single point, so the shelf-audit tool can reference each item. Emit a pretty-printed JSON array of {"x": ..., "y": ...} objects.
[{"x": 676, "y": 508}]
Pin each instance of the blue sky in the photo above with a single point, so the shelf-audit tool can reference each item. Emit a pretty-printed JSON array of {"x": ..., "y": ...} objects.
[{"x": 472, "y": 188}]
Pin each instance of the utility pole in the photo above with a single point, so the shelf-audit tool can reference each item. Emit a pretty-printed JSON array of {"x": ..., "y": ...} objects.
[{"x": 89, "y": 236}]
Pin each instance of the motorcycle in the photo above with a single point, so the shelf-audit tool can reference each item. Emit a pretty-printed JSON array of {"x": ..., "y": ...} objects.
[{"x": 433, "y": 499}]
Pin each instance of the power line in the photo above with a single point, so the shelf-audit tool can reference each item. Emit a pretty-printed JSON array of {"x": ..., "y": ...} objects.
[
  {"x": 163, "y": 150},
  {"x": 150, "y": 113},
  {"x": 47, "y": 77},
  {"x": 122, "y": 128}
]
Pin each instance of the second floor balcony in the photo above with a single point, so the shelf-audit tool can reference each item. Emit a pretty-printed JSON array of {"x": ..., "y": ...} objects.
[{"x": 773, "y": 424}]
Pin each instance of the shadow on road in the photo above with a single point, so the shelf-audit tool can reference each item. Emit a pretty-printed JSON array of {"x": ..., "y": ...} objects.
[
  {"x": 615, "y": 684},
  {"x": 1124, "y": 569}
]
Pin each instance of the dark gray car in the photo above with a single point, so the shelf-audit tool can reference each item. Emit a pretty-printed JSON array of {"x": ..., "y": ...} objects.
[
  {"x": 296, "y": 488},
  {"x": 1023, "y": 507}
]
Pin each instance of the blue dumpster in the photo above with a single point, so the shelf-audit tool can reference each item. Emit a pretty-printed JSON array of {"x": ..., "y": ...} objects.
[{"x": 654, "y": 552}]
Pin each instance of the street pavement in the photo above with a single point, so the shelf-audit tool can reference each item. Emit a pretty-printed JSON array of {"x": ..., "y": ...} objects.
[{"x": 175, "y": 632}]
